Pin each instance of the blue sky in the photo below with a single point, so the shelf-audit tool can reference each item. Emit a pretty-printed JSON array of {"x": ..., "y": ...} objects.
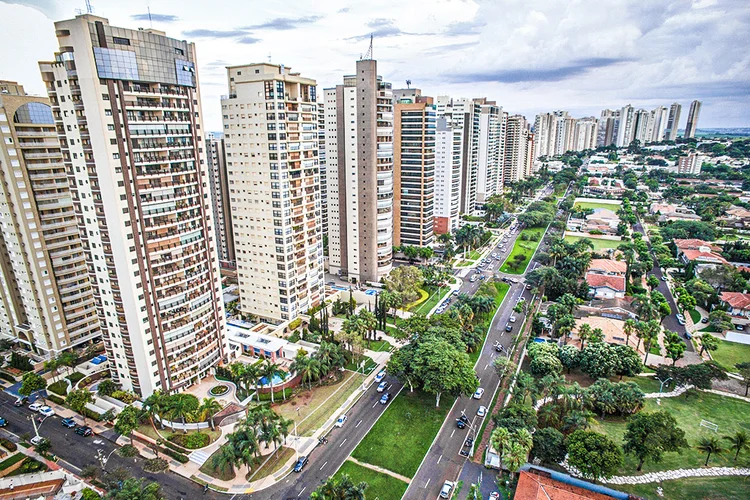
[{"x": 530, "y": 57}]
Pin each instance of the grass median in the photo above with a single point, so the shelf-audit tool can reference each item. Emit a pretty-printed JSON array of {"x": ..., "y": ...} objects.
[
  {"x": 484, "y": 326},
  {"x": 402, "y": 435},
  {"x": 526, "y": 244},
  {"x": 379, "y": 485},
  {"x": 436, "y": 295}
]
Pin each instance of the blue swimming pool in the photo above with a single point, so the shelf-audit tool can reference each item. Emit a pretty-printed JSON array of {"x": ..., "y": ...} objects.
[{"x": 277, "y": 380}]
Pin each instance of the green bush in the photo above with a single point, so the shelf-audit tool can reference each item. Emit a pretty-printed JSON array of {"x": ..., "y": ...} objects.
[
  {"x": 60, "y": 387},
  {"x": 7, "y": 376},
  {"x": 294, "y": 324},
  {"x": 75, "y": 377},
  {"x": 191, "y": 441},
  {"x": 125, "y": 396},
  {"x": 277, "y": 396},
  {"x": 89, "y": 494},
  {"x": 20, "y": 362},
  {"x": 173, "y": 454},
  {"x": 93, "y": 415},
  {"x": 56, "y": 399},
  {"x": 8, "y": 444},
  {"x": 29, "y": 466},
  {"x": 172, "y": 446}
]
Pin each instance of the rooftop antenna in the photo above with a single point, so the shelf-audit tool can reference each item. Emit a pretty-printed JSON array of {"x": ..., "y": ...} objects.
[
  {"x": 269, "y": 58},
  {"x": 408, "y": 83},
  {"x": 150, "y": 22},
  {"x": 368, "y": 54},
  {"x": 89, "y": 8}
]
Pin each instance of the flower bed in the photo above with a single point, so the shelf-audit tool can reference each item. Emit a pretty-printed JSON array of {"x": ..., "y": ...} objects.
[{"x": 218, "y": 390}]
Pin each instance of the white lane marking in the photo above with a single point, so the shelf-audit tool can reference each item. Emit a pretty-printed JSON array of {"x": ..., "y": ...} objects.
[
  {"x": 358, "y": 424},
  {"x": 485, "y": 366},
  {"x": 428, "y": 482},
  {"x": 342, "y": 443},
  {"x": 376, "y": 404},
  {"x": 321, "y": 467},
  {"x": 303, "y": 489},
  {"x": 440, "y": 458},
  {"x": 452, "y": 433}
]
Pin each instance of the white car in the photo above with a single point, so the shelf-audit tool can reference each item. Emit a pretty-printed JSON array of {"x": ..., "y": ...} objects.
[
  {"x": 382, "y": 386},
  {"x": 46, "y": 411},
  {"x": 479, "y": 393},
  {"x": 36, "y": 406},
  {"x": 482, "y": 411},
  {"x": 379, "y": 377},
  {"x": 340, "y": 421},
  {"x": 445, "y": 491},
  {"x": 37, "y": 439}
]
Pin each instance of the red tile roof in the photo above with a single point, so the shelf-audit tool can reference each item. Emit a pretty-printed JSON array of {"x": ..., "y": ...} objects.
[
  {"x": 608, "y": 266},
  {"x": 540, "y": 487},
  {"x": 694, "y": 244},
  {"x": 601, "y": 280},
  {"x": 692, "y": 255},
  {"x": 736, "y": 299}
]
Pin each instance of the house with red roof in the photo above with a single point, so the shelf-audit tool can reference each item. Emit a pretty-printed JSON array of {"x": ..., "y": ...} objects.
[
  {"x": 703, "y": 253},
  {"x": 605, "y": 286},
  {"x": 738, "y": 304}
]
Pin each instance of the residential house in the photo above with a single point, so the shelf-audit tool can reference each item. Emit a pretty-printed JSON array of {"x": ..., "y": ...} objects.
[
  {"x": 618, "y": 308},
  {"x": 605, "y": 286},
  {"x": 703, "y": 253},
  {"x": 608, "y": 266},
  {"x": 737, "y": 303},
  {"x": 737, "y": 217},
  {"x": 607, "y": 188},
  {"x": 612, "y": 329},
  {"x": 538, "y": 483},
  {"x": 668, "y": 212}
]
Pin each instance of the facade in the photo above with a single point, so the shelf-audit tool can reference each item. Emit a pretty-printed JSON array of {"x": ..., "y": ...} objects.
[
  {"x": 626, "y": 127},
  {"x": 359, "y": 167},
  {"x": 271, "y": 134},
  {"x": 673, "y": 121},
  {"x": 644, "y": 126},
  {"x": 127, "y": 110},
  {"x": 322, "y": 167},
  {"x": 692, "y": 120},
  {"x": 219, "y": 184},
  {"x": 608, "y": 127},
  {"x": 46, "y": 297},
  {"x": 517, "y": 162},
  {"x": 413, "y": 170},
  {"x": 492, "y": 122},
  {"x": 689, "y": 164},
  {"x": 660, "y": 116},
  {"x": 585, "y": 134},
  {"x": 448, "y": 153},
  {"x": 556, "y": 133}
]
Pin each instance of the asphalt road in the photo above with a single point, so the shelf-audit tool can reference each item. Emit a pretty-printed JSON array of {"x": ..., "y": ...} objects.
[{"x": 77, "y": 452}]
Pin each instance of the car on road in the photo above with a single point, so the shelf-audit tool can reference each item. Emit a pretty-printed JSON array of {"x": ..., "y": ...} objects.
[
  {"x": 508, "y": 327},
  {"x": 340, "y": 421},
  {"x": 494, "y": 255},
  {"x": 3, "y": 422},
  {"x": 468, "y": 442},
  {"x": 663, "y": 278},
  {"x": 37, "y": 439},
  {"x": 46, "y": 411},
  {"x": 36, "y": 406},
  {"x": 481, "y": 411},
  {"x": 455, "y": 292},
  {"x": 512, "y": 319},
  {"x": 379, "y": 377},
  {"x": 478, "y": 394},
  {"x": 494, "y": 495},
  {"x": 68, "y": 422},
  {"x": 300, "y": 464},
  {"x": 680, "y": 318},
  {"x": 382, "y": 386},
  {"x": 473, "y": 278},
  {"x": 740, "y": 327},
  {"x": 704, "y": 320},
  {"x": 21, "y": 401},
  {"x": 385, "y": 398},
  {"x": 462, "y": 421},
  {"x": 84, "y": 431},
  {"x": 446, "y": 490}
]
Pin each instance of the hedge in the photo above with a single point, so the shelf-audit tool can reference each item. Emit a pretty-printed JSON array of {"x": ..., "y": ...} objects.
[
  {"x": 183, "y": 459},
  {"x": 56, "y": 399},
  {"x": 11, "y": 461},
  {"x": 277, "y": 396},
  {"x": 191, "y": 441},
  {"x": 75, "y": 377},
  {"x": 7, "y": 376},
  {"x": 8, "y": 444},
  {"x": 60, "y": 387},
  {"x": 174, "y": 447},
  {"x": 93, "y": 415}
]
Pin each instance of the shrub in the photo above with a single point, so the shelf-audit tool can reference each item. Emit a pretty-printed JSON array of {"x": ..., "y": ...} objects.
[
  {"x": 20, "y": 362},
  {"x": 156, "y": 465},
  {"x": 75, "y": 377},
  {"x": 93, "y": 415},
  {"x": 8, "y": 444},
  {"x": 124, "y": 396},
  {"x": 191, "y": 441},
  {"x": 128, "y": 451},
  {"x": 60, "y": 387},
  {"x": 56, "y": 399},
  {"x": 173, "y": 454},
  {"x": 7, "y": 376},
  {"x": 277, "y": 396},
  {"x": 294, "y": 324},
  {"x": 89, "y": 494},
  {"x": 107, "y": 387}
]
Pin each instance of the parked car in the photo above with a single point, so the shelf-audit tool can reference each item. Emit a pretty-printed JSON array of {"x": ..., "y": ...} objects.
[
  {"x": 704, "y": 320},
  {"x": 468, "y": 442},
  {"x": 740, "y": 327},
  {"x": 462, "y": 421},
  {"x": 478, "y": 394},
  {"x": 37, "y": 439},
  {"x": 473, "y": 278},
  {"x": 482, "y": 411},
  {"x": 382, "y": 386},
  {"x": 21, "y": 401},
  {"x": 456, "y": 292},
  {"x": 663, "y": 278},
  {"x": 385, "y": 398},
  {"x": 508, "y": 327},
  {"x": 36, "y": 406},
  {"x": 3, "y": 422},
  {"x": 446, "y": 490},
  {"x": 379, "y": 377},
  {"x": 340, "y": 421},
  {"x": 46, "y": 411},
  {"x": 84, "y": 431},
  {"x": 300, "y": 464},
  {"x": 68, "y": 422}
]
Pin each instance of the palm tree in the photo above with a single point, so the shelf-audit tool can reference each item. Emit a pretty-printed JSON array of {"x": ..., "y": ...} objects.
[
  {"x": 584, "y": 332},
  {"x": 514, "y": 456},
  {"x": 269, "y": 369},
  {"x": 226, "y": 457},
  {"x": 629, "y": 329},
  {"x": 339, "y": 488},
  {"x": 500, "y": 438},
  {"x": 156, "y": 405},
  {"x": 301, "y": 366},
  {"x": 251, "y": 375},
  {"x": 208, "y": 409},
  {"x": 739, "y": 441},
  {"x": 180, "y": 406},
  {"x": 709, "y": 445}
]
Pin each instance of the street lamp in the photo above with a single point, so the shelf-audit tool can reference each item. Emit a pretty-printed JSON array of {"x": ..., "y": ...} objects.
[
  {"x": 33, "y": 422},
  {"x": 103, "y": 459},
  {"x": 661, "y": 387}
]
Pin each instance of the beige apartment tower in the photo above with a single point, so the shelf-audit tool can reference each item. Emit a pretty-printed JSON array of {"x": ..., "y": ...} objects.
[
  {"x": 359, "y": 166},
  {"x": 219, "y": 185},
  {"x": 127, "y": 111},
  {"x": 46, "y": 298},
  {"x": 271, "y": 136}
]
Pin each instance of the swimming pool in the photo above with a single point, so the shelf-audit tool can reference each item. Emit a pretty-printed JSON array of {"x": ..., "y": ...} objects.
[{"x": 277, "y": 380}]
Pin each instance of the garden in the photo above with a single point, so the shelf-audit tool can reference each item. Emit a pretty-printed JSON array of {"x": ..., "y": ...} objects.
[
  {"x": 599, "y": 244},
  {"x": 526, "y": 244}
]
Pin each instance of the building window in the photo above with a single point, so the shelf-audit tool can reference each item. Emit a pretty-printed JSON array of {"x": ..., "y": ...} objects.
[{"x": 120, "y": 41}]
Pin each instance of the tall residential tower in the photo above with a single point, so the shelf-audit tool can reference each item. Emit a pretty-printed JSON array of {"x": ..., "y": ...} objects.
[{"x": 692, "y": 120}]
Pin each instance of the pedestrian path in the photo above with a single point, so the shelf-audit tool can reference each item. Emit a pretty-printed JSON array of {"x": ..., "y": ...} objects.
[
  {"x": 381, "y": 470},
  {"x": 655, "y": 477}
]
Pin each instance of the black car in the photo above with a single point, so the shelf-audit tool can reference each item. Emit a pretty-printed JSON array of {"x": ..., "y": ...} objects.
[
  {"x": 300, "y": 464},
  {"x": 508, "y": 327},
  {"x": 462, "y": 421},
  {"x": 468, "y": 442},
  {"x": 84, "y": 430}
]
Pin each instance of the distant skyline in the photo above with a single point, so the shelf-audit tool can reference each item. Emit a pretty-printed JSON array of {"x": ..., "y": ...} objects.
[{"x": 529, "y": 57}]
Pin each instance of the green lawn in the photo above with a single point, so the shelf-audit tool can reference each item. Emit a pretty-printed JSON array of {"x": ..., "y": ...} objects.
[
  {"x": 379, "y": 485},
  {"x": 525, "y": 248},
  {"x": 694, "y": 488},
  {"x": 370, "y": 365},
  {"x": 583, "y": 205},
  {"x": 379, "y": 345},
  {"x": 436, "y": 295},
  {"x": 731, "y": 415},
  {"x": 402, "y": 435},
  {"x": 695, "y": 316},
  {"x": 502, "y": 291},
  {"x": 647, "y": 384},
  {"x": 473, "y": 255},
  {"x": 730, "y": 353},
  {"x": 599, "y": 244}
]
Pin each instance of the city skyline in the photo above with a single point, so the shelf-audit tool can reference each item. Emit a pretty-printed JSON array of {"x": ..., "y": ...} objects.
[{"x": 444, "y": 49}]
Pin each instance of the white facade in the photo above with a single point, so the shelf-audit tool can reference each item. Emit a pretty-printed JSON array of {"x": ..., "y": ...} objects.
[
  {"x": 517, "y": 164},
  {"x": 490, "y": 152},
  {"x": 692, "y": 121},
  {"x": 448, "y": 149},
  {"x": 673, "y": 122},
  {"x": 626, "y": 128},
  {"x": 271, "y": 135}
]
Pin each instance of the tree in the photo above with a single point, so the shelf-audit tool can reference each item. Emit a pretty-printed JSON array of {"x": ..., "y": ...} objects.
[
  {"x": 545, "y": 365},
  {"x": 270, "y": 371},
  {"x": 31, "y": 383},
  {"x": 569, "y": 356},
  {"x": 442, "y": 368},
  {"x": 180, "y": 406},
  {"x": 340, "y": 488},
  {"x": 503, "y": 366},
  {"x": 598, "y": 360},
  {"x": 78, "y": 399},
  {"x": 594, "y": 454},
  {"x": 127, "y": 422},
  {"x": 652, "y": 281},
  {"x": 106, "y": 387},
  {"x": 549, "y": 446},
  {"x": 584, "y": 333},
  {"x": 674, "y": 346},
  {"x": 628, "y": 361},
  {"x": 687, "y": 302},
  {"x": 738, "y": 441},
  {"x": 208, "y": 409},
  {"x": 135, "y": 489},
  {"x": 710, "y": 446},
  {"x": 650, "y": 435},
  {"x": 720, "y": 320},
  {"x": 405, "y": 281},
  {"x": 708, "y": 342},
  {"x": 744, "y": 371}
]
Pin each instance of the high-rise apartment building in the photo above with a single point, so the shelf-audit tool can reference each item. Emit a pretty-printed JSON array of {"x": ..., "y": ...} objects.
[
  {"x": 517, "y": 163},
  {"x": 689, "y": 164},
  {"x": 585, "y": 134},
  {"x": 659, "y": 118},
  {"x": 271, "y": 134},
  {"x": 644, "y": 126},
  {"x": 219, "y": 185},
  {"x": 47, "y": 300},
  {"x": 127, "y": 110},
  {"x": 414, "y": 169},
  {"x": 626, "y": 128},
  {"x": 492, "y": 121},
  {"x": 448, "y": 154},
  {"x": 359, "y": 166},
  {"x": 692, "y": 120},
  {"x": 556, "y": 133},
  {"x": 322, "y": 167},
  {"x": 673, "y": 122},
  {"x": 608, "y": 127}
]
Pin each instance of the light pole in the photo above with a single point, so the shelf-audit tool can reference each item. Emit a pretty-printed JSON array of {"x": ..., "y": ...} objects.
[
  {"x": 102, "y": 458},
  {"x": 661, "y": 387},
  {"x": 33, "y": 422}
]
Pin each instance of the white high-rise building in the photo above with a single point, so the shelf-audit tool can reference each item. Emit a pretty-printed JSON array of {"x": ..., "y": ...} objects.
[
  {"x": 359, "y": 166},
  {"x": 626, "y": 128},
  {"x": 659, "y": 118},
  {"x": 271, "y": 135},
  {"x": 47, "y": 299},
  {"x": 586, "y": 131},
  {"x": 219, "y": 185},
  {"x": 673, "y": 122},
  {"x": 489, "y": 160},
  {"x": 608, "y": 127},
  {"x": 518, "y": 147},
  {"x": 322, "y": 166},
  {"x": 448, "y": 154},
  {"x": 557, "y": 133},
  {"x": 128, "y": 114},
  {"x": 644, "y": 126},
  {"x": 692, "y": 121}
]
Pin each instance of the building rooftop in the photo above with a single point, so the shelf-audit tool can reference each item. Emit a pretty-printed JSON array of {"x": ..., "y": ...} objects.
[
  {"x": 254, "y": 339},
  {"x": 606, "y": 280},
  {"x": 608, "y": 266},
  {"x": 536, "y": 483},
  {"x": 736, "y": 299}
]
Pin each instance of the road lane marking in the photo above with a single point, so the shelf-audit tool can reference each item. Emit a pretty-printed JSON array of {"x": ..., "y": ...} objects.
[
  {"x": 321, "y": 467},
  {"x": 360, "y": 421},
  {"x": 452, "y": 433},
  {"x": 376, "y": 404},
  {"x": 440, "y": 458},
  {"x": 485, "y": 366},
  {"x": 428, "y": 482},
  {"x": 342, "y": 443},
  {"x": 303, "y": 489}
]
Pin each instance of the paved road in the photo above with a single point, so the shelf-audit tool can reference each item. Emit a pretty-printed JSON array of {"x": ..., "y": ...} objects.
[{"x": 77, "y": 452}]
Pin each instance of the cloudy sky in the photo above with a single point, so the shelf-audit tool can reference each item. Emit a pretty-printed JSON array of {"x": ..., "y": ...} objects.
[{"x": 529, "y": 56}]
